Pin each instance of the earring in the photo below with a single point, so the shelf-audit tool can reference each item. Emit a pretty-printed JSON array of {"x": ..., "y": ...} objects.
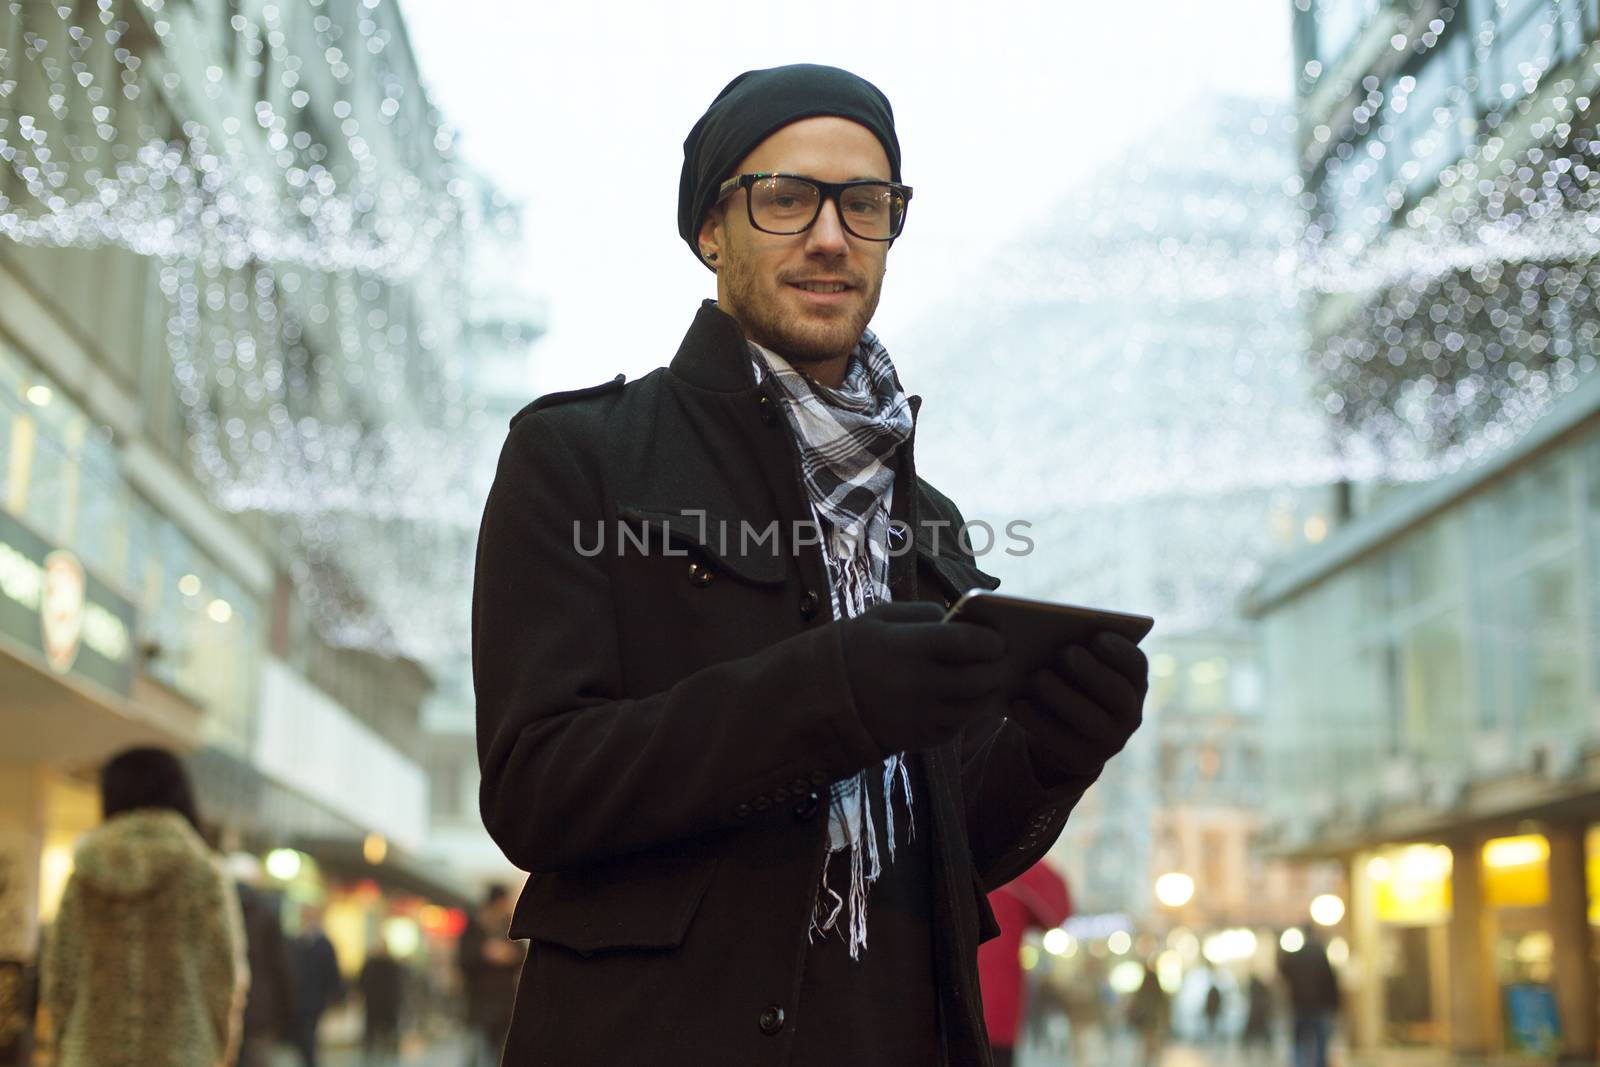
[{"x": 711, "y": 257}]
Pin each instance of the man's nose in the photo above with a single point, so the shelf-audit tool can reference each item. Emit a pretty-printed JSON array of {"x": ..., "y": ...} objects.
[{"x": 826, "y": 235}]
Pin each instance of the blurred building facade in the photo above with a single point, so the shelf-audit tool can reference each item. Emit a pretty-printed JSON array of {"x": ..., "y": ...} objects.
[
  {"x": 1431, "y": 672},
  {"x": 156, "y": 328},
  {"x": 1429, "y": 665}
]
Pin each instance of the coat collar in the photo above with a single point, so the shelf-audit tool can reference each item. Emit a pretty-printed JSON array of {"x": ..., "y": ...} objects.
[{"x": 714, "y": 355}]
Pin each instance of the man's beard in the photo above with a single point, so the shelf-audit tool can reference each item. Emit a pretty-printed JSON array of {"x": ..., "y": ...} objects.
[{"x": 797, "y": 340}]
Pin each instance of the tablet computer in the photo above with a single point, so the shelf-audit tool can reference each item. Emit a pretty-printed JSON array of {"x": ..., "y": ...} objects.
[{"x": 1035, "y": 630}]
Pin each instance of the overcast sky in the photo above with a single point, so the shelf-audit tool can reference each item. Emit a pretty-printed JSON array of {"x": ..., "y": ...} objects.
[{"x": 579, "y": 112}]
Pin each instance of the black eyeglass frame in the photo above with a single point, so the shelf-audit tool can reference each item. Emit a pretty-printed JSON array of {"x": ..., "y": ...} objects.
[{"x": 829, "y": 191}]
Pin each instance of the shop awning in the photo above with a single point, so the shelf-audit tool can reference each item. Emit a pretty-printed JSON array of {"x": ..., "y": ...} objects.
[
  {"x": 68, "y": 720},
  {"x": 1556, "y": 790}
]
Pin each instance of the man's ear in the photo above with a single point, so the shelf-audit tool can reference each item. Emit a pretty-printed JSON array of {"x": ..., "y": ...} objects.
[{"x": 710, "y": 238}]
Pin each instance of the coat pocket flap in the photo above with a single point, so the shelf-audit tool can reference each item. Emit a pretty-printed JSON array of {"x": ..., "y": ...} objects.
[
  {"x": 642, "y": 902},
  {"x": 744, "y": 550}
]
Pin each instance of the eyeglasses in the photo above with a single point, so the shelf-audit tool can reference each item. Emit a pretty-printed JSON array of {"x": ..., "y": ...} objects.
[{"x": 788, "y": 204}]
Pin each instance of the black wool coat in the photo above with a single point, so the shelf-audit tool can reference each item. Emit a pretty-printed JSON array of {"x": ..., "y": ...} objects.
[{"x": 658, "y": 729}]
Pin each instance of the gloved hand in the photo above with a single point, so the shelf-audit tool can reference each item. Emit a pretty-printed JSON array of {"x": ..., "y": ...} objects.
[
  {"x": 1081, "y": 711},
  {"x": 915, "y": 679}
]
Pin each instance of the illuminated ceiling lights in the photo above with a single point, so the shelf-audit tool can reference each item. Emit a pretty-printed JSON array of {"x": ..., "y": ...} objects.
[
  {"x": 1521, "y": 851},
  {"x": 1229, "y": 946},
  {"x": 374, "y": 848},
  {"x": 1327, "y": 910},
  {"x": 1174, "y": 889}
]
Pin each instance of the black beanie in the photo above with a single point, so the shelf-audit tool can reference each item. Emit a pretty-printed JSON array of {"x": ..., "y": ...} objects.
[{"x": 756, "y": 105}]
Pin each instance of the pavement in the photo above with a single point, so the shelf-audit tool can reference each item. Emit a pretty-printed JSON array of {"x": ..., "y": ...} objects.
[
  {"x": 448, "y": 1051},
  {"x": 1180, "y": 1055},
  {"x": 451, "y": 1052}
]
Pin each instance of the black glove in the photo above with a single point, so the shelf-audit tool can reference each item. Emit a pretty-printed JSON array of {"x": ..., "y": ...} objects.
[
  {"x": 1081, "y": 711},
  {"x": 917, "y": 680}
]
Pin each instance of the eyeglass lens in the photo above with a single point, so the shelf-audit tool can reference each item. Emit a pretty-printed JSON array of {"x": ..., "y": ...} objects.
[{"x": 790, "y": 205}]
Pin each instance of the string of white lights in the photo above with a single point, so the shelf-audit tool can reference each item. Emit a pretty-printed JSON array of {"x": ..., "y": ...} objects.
[{"x": 311, "y": 246}]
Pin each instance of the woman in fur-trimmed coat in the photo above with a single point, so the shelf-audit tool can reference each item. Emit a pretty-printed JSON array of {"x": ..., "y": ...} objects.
[{"x": 145, "y": 963}]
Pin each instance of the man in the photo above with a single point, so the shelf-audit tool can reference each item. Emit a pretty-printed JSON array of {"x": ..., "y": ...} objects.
[
  {"x": 383, "y": 988},
  {"x": 760, "y": 787},
  {"x": 270, "y": 1008},
  {"x": 318, "y": 983},
  {"x": 1313, "y": 998},
  {"x": 489, "y": 964}
]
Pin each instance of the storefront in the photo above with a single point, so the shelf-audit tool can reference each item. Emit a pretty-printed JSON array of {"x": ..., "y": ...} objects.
[
  {"x": 1400, "y": 915},
  {"x": 1485, "y": 944}
]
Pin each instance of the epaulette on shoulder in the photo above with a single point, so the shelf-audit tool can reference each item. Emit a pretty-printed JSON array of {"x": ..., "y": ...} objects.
[{"x": 551, "y": 399}]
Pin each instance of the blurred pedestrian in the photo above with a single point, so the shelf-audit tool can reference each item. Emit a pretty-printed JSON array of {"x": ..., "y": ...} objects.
[
  {"x": 1037, "y": 899},
  {"x": 270, "y": 1007},
  {"x": 145, "y": 962},
  {"x": 382, "y": 984},
  {"x": 489, "y": 962},
  {"x": 1313, "y": 998},
  {"x": 1085, "y": 1010},
  {"x": 1257, "y": 1037},
  {"x": 761, "y": 781},
  {"x": 1213, "y": 1008},
  {"x": 318, "y": 983},
  {"x": 1150, "y": 1016}
]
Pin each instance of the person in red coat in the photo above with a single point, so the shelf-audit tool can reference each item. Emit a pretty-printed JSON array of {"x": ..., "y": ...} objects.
[{"x": 1036, "y": 900}]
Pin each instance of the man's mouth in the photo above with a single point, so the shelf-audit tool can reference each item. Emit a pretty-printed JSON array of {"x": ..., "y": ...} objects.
[{"x": 821, "y": 287}]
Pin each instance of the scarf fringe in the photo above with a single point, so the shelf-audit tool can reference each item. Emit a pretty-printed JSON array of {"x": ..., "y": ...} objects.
[{"x": 866, "y": 866}]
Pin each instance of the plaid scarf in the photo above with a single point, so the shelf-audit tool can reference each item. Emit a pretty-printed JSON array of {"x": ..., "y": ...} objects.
[{"x": 847, "y": 437}]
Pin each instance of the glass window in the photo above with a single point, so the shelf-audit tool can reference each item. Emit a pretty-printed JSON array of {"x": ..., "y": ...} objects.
[
  {"x": 1208, "y": 684},
  {"x": 1434, "y": 687},
  {"x": 1527, "y": 42},
  {"x": 1163, "y": 678},
  {"x": 1542, "y": 647},
  {"x": 103, "y": 527},
  {"x": 1345, "y": 702},
  {"x": 1339, "y": 22},
  {"x": 209, "y": 632},
  {"x": 445, "y": 786},
  {"x": 11, "y": 384},
  {"x": 1432, "y": 116},
  {"x": 46, "y": 478},
  {"x": 1427, "y": 565},
  {"x": 1355, "y": 192},
  {"x": 1533, "y": 509}
]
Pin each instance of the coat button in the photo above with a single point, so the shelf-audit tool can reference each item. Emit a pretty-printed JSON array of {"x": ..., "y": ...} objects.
[
  {"x": 769, "y": 411},
  {"x": 761, "y": 803},
  {"x": 699, "y": 574},
  {"x": 808, "y": 604},
  {"x": 742, "y": 811},
  {"x": 819, "y": 777},
  {"x": 771, "y": 1020},
  {"x": 806, "y": 807}
]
